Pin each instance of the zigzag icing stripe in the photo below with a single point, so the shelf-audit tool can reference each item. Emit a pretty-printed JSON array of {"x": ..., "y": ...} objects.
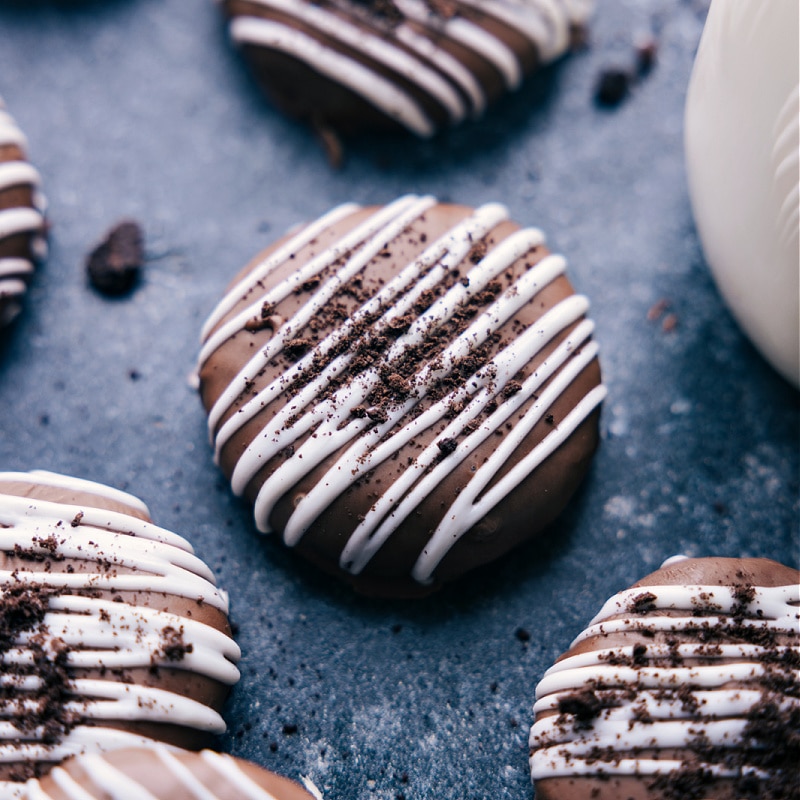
[{"x": 316, "y": 421}]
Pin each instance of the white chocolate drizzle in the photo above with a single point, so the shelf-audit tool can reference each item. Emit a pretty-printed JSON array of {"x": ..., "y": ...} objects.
[
  {"x": 393, "y": 67},
  {"x": 657, "y": 696},
  {"x": 317, "y": 426},
  {"x": 119, "y": 553},
  {"x": 110, "y": 782},
  {"x": 25, "y": 220}
]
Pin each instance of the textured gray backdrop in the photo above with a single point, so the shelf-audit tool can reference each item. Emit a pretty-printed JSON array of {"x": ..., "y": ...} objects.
[{"x": 140, "y": 108}]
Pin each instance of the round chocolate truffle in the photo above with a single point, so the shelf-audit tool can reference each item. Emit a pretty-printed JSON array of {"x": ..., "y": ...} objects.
[
  {"x": 683, "y": 686},
  {"x": 159, "y": 772},
  {"x": 113, "y": 632},
  {"x": 22, "y": 225},
  {"x": 417, "y": 65},
  {"x": 403, "y": 392}
]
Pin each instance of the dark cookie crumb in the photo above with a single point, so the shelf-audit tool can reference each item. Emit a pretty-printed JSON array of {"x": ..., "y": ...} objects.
[
  {"x": 114, "y": 265},
  {"x": 612, "y": 87},
  {"x": 646, "y": 51},
  {"x": 585, "y": 706}
]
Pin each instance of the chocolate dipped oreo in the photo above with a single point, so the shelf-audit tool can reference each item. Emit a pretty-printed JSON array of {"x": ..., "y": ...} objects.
[
  {"x": 113, "y": 632},
  {"x": 163, "y": 773},
  {"x": 415, "y": 65},
  {"x": 404, "y": 392},
  {"x": 22, "y": 224},
  {"x": 683, "y": 686}
]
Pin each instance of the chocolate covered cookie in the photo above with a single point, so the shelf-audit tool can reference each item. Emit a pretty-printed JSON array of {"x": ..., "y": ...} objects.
[
  {"x": 113, "y": 632},
  {"x": 22, "y": 225},
  {"x": 403, "y": 392},
  {"x": 418, "y": 65},
  {"x": 683, "y": 686},
  {"x": 163, "y": 773}
]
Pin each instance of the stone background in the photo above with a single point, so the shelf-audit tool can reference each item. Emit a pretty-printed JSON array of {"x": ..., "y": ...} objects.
[{"x": 140, "y": 108}]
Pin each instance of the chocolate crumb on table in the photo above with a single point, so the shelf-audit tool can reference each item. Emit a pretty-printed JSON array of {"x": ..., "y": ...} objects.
[
  {"x": 115, "y": 264},
  {"x": 613, "y": 86}
]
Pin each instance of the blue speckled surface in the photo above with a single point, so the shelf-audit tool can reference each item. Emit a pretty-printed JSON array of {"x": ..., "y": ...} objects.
[{"x": 140, "y": 108}]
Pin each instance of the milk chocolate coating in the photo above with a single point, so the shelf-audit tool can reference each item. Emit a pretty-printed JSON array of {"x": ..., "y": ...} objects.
[
  {"x": 418, "y": 65},
  {"x": 165, "y": 774},
  {"x": 22, "y": 224},
  {"x": 113, "y": 631},
  {"x": 463, "y": 410},
  {"x": 684, "y": 686}
]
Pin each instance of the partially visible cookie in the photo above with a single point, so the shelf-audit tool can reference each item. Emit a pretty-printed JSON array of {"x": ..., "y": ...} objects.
[
  {"x": 163, "y": 773},
  {"x": 683, "y": 686},
  {"x": 22, "y": 223},
  {"x": 418, "y": 65},
  {"x": 112, "y": 632}
]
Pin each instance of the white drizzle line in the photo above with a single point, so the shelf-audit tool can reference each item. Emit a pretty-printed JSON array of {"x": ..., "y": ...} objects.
[
  {"x": 67, "y": 482},
  {"x": 80, "y": 739},
  {"x": 502, "y": 57},
  {"x": 663, "y": 734},
  {"x": 377, "y": 48},
  {"x": 333, "y": 413},
  {"x": 311, "y": 787},
  {"x": 11, "y": 287},
  {"x": 718, "y": 713},
  {"x": 370, "y": 237},
  {"x": 474, "y": 38},
  {"x": 11, "y": 267},
  {"x": 546, "y": 764},
  {"x": 545, "y": 23},
  {"x": 111, "y": 781},
  {"x": 105, "y": 700},
  {"x": 18, "y": 173},
  {"x": 667, "y": 624},
  {"x": 652, "y": 677},
  {"x": 183, "y": 775},
  {"x": 213, "y": 341},
  {"x": 455, "y": 522},
  {"x": 373, "y": 531},
  {"x": 769, "y": 603},
  {"x": 423, "y": 62},
  {"x": 331, "y": 419},
  {"x": 32, "y": 790},
  {"x": 676, "y": 559},
  {"x": 444, "y": 254},
  {"x": 375, "y": 89},
  {"x": 100, "y": 633},
  {"x": 23, "y": 510},
  {"x": 113, "y": 635},
  {"x": 9, "y": 130},
  {"x": 14, "y": 221},
  {"x": 159, "y": 562},
  {"x": 226, "y": 764},
  {"x": 718, "y": 703},
  {"x": 447, "y": 64},
  {"x": 300, "y": 239}
]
